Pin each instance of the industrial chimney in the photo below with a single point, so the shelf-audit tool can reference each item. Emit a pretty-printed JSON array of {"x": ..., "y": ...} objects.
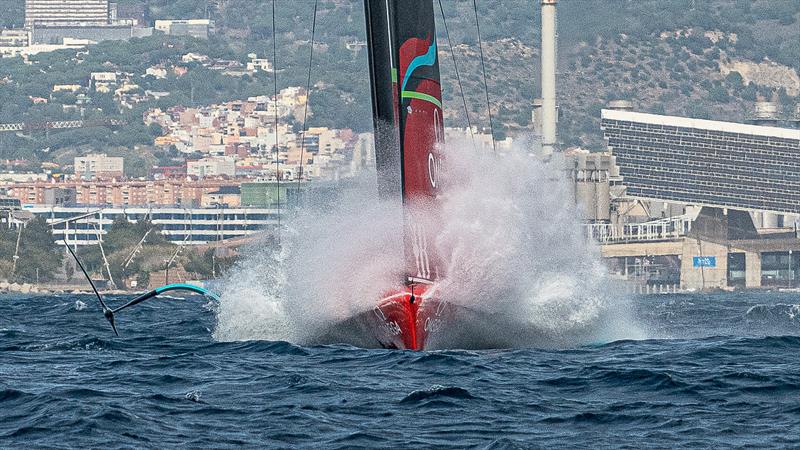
[{"x": 548, "y": 77}]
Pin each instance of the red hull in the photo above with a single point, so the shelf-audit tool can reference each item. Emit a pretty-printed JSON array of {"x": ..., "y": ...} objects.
[{"x": 408, "y": 319}]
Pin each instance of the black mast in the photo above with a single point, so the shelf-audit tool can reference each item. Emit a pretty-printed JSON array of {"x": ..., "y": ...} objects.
[
  {"x": 407, "y": 113},
  {"x": 383, "y": 83}
]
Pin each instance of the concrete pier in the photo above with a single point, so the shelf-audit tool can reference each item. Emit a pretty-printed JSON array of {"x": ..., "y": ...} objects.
[{"x": 707, "y": 256}]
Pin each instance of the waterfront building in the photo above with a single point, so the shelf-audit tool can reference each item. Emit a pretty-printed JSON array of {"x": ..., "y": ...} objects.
[
  {"x": 736, "y": 187},
  {"x": 706, "y": 162},
  {"x": 592, "y": 176},
  {"x": 79, "y": 226},
  {"x": 8, "y": 203}
]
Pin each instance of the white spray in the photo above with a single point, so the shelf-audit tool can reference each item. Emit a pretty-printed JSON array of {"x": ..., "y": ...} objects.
[{"x": 514, "y": 244}]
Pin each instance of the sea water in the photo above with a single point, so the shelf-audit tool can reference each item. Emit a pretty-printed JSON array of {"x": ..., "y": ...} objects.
[
  {"x": 715, "y": 370},
  {"x": 583, "y": 364}
]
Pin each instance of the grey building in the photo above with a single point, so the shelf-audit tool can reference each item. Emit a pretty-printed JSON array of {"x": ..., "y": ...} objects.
[
  {"x": 705, "y": 162},
  {"x": 55, "y": 34},
  {"x": 60, "y": 196}
]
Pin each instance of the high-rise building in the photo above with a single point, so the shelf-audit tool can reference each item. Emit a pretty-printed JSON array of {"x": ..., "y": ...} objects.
[{"x": 66, "y": 12}]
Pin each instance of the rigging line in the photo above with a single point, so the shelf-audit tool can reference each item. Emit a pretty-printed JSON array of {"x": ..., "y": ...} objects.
[
  {"x": 275, "y": 107},
  {"x": 483, "y": 66},
  {"x": 308, "y": 98},
  {"x": 458, "y": 76}
]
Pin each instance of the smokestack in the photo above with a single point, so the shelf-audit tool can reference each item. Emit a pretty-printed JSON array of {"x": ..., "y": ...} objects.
[{"x": 548, "y": 77}]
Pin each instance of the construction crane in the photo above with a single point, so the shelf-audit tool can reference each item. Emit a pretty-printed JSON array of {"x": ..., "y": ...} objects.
[
  {"x": 59, "y": 125},
  {"x": 136, "y": 250}
]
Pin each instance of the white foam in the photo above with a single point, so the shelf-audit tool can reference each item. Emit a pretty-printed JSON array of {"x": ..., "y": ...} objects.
[{"x": 515, "y": 248}]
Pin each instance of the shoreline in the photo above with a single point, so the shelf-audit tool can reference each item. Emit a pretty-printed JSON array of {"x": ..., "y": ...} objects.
[
  {"x": 65, "y": 288},
  {"x": 82, "y": 289},
  {"x": 46, "y": 288}
]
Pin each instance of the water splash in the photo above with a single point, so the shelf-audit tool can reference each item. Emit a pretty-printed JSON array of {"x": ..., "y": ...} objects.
[
  {"x": 516, "y": 254},
  {"x": 334, "y": 260},
  {"x": 519, "y": 254},
  {"x": 193, "y": 396}
]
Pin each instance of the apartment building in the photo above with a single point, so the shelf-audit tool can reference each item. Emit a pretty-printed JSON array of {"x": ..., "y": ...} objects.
[{"x": 66, "y": 12}]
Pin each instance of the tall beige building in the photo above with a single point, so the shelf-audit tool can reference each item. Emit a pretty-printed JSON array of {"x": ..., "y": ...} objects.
[{"x": 66, "y": 12}]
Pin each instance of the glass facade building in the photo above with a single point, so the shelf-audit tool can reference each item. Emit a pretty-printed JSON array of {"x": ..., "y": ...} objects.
[{"x": 704, "y": 162}]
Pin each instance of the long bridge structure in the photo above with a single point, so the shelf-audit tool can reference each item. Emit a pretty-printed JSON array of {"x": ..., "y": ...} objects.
[{"x": 59, "y": 125}]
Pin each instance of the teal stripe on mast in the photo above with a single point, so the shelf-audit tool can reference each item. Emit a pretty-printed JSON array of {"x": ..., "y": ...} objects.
[{"x": 428, "y": 59}]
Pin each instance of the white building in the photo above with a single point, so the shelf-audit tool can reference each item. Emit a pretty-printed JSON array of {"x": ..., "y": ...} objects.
[
  {"x": 79, "y": 226},
  {"x": 11, "y": 177},
  {"x": 198, "y": 28},
  {"x": 160, "y": 72},
  {"x": 255, "y": 64},
  {"x": 103, "y": 77},
  {"x": 28, "y": 50},
  {"x": 211, "y": 167},
  {"x": 195, "y": 57},
  {"x": 98, "y": 166},
  {"x": 66, "y": 12},
  {"x": 67, "y": 88},
  {"x": 14, "y": 38}
]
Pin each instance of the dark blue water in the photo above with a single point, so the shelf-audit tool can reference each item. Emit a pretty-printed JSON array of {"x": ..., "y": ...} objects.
[{"x": 722, "y": 370}]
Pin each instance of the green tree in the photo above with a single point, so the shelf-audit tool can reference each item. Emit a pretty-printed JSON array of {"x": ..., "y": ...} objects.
[
  {"x": 749, "y": 92},
  {"x": 39, "y": 256},
  {"x": 735, "y": 79},
  {"x": 119, "y": 242},
  {"x": 13, "y": 13},
  {"x": 719, "y": 94},
  {"x": 206, "y": 265}
]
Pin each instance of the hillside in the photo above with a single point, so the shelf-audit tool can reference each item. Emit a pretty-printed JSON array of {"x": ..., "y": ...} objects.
[
  {"x": 697, "y": 58},
  {"x": 708, "y": 59}
]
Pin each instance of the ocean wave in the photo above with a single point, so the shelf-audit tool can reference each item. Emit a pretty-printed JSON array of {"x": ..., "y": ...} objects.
[
  {"x": 605, "y": 418},
  {"x": 649, "y": 379},
  {"x": 167, "y": 383},
  {"x": 10, "y": 395},
  {"x": 86, "y": 343},
  {"x": 437, "y": 392},
  {"x": 785, "y": 313}
]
